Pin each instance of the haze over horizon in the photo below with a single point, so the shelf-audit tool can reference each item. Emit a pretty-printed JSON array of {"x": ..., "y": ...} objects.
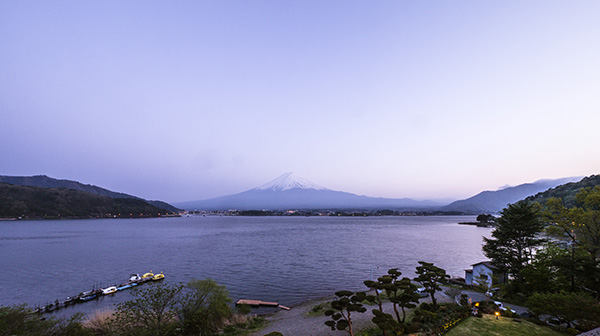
[{"x": 395, "y": 99}]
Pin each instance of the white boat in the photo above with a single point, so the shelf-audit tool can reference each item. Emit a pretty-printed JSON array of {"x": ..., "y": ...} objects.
[
  {"x": 134, "y": 277},
  {"x": 109, "y": 290}
]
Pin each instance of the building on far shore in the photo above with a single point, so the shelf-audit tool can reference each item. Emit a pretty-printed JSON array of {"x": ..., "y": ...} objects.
[{"x": 484, "y": 268}]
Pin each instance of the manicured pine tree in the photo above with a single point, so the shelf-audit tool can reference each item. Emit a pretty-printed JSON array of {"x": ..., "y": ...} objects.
[
  {"x": 431, "y": 276},
  {"x": 344, "y": 304}
]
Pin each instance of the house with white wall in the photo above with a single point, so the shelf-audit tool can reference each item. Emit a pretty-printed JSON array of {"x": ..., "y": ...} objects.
[{"x": 484, "y": 268}]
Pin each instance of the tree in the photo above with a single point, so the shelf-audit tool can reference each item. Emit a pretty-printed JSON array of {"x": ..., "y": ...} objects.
[
  {"x": 485, "y": 218},
  {"x": 407, "y": 297},
  {"x": 153, "y": 312},
  {"x": 515, "y": 239},
  {"x": 381, "y": 319},
  {"x": 565, "y": 307},
  {"x": 20, "y": 320},
  {"x": 205, "y": 307},
  {"x": 453, "y": 293},
  {"x": 400, "y": 292},
  {"x": 482, "y": 282},
  {"x": 580, "y": 228},
  {"x": 342, "y": 306},
  {"x": 431, "y": 277}
]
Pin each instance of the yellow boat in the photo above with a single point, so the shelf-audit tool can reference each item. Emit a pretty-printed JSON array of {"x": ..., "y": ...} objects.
[
  {"x": 158, "y": 276},
  {"x": 148, "y": 275}
]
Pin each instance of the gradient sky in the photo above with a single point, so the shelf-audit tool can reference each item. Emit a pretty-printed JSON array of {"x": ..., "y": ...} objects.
[{"x": 187, "y": 100}]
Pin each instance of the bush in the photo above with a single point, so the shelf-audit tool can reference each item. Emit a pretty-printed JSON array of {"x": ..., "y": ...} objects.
[
  {"x": 414, "y": 327},
  {"x": 572, "y": 331},
  {"x": 20, "y": 320},
  {"x": 100, "y": 322}
]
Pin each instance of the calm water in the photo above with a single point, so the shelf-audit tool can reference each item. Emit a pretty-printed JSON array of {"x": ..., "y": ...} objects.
[{"x": 284, "y": 259}]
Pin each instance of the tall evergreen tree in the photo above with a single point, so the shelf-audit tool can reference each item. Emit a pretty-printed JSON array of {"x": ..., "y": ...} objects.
[{"x": 515, "y": 239}]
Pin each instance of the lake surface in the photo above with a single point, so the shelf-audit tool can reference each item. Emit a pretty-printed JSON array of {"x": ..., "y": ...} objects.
[{"x": 283, "y": 259}]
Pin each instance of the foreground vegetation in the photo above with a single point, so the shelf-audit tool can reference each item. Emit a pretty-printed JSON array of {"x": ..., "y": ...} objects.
[
  {"x": 551, "y": 255},
  {"x": 202, "y": 307}
]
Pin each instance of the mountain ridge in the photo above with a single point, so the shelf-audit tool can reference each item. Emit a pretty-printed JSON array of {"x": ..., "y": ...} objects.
[
  {"x": 566, "y": 192},
  {"x": 493, "y": 201},
  {"x": 26, "y": 201},
  {"x": 44, "y": 181}
]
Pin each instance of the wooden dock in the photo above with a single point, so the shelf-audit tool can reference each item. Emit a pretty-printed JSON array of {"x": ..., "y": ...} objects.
[{"x": 258, "y": 303}]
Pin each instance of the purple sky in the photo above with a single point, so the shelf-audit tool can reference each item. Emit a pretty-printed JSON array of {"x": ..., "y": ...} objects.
[{"x": 189, "y": 100}]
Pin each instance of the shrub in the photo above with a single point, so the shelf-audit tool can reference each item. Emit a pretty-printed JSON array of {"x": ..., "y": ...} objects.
[{"x": 100, "y": 322}]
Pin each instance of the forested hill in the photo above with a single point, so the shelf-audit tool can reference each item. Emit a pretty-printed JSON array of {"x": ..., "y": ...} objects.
[
  {"x": 566, "y": 192},
  {"x": 44, "y": 181},
  {"x": 36, "y": 202}
]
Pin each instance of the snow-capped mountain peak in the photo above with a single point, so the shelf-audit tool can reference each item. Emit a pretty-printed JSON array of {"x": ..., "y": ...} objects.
[{"x": 290, "y": 181}]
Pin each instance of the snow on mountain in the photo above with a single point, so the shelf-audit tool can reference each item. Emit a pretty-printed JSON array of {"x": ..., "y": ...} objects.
[
  {"x": 290, "y": 191},
  {"x": 289, "y": 181}
]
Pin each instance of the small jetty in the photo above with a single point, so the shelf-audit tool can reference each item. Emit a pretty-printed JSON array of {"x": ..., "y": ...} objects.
[
  {"x": 95, "y": 293},
  {"x": 259, "y": 303}
]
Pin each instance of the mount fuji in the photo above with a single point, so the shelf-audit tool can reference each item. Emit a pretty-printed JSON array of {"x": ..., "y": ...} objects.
[{"x": 290, "y": 191}]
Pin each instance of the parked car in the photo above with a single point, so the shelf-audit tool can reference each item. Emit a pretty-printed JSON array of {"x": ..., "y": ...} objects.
[
  {"x": 492, "y": 292},
  {"x": 421, "y": 291},
  {"x": 502, "y": 308}
]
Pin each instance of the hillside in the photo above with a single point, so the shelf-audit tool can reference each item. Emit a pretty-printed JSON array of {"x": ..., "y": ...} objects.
[
  {"x": 37, "y": 202},
  {"x": 44, "y": 181},
  {"x": 494, "y": 201},
  {"x": 566, "y": 192}
]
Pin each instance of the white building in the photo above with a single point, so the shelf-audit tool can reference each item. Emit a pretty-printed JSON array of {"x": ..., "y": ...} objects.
[{"x": 484, "y": 268}]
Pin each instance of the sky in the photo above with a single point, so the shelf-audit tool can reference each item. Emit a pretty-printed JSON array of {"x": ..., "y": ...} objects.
[{"x": 189, "y": 100}]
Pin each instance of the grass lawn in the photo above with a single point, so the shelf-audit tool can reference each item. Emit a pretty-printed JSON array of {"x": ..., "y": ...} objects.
[{"x": 488, "y": 325}]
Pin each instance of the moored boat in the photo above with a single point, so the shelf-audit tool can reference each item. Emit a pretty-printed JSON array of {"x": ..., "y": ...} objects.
[
  {"x": 158, "y": 276},
  {"x": 126, "y": 285},
  {"x": 87, "y": 297},
  {"x": 109, "y": 290},
  {"x": 134, "y": 277}
]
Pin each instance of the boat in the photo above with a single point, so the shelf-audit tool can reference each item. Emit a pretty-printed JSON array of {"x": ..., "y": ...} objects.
[
  {"x": 134, "y": 277},
  {"x": 69, "y": 300},
  {"x": 158, "y": 276},
  {"x": 87, "y": 298},
  {"x": 126, "y": 285},
  {"x": 148, "y": 275},
  {"x": 109, "y": 290}
]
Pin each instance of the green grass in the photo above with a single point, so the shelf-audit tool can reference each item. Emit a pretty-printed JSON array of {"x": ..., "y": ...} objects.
[{"x": 504, "y": 326}]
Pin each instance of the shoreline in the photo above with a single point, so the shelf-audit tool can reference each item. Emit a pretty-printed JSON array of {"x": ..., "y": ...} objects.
[{"x": 297, "y": 322}]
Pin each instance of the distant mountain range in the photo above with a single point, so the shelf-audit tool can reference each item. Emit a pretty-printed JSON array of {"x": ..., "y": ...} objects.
[
  {"x": 44, "y": 181},
  {"x": 494, "y": 201},
  {"x": 290, "y": 191}
]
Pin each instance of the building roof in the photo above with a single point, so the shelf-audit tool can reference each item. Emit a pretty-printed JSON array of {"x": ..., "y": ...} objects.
[{"x": 487, "y": 264}]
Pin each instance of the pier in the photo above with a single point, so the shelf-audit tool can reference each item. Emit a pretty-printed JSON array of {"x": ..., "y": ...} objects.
[{"x": 134, "y": 280}]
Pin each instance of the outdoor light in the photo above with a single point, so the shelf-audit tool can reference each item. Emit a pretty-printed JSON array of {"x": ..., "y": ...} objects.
[
  {"x": 476, "y": 304},
  {"x": 497, "y": 314}
]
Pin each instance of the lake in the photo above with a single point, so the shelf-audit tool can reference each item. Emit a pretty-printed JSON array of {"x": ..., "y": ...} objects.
[{"x": 283, "y": 259}]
